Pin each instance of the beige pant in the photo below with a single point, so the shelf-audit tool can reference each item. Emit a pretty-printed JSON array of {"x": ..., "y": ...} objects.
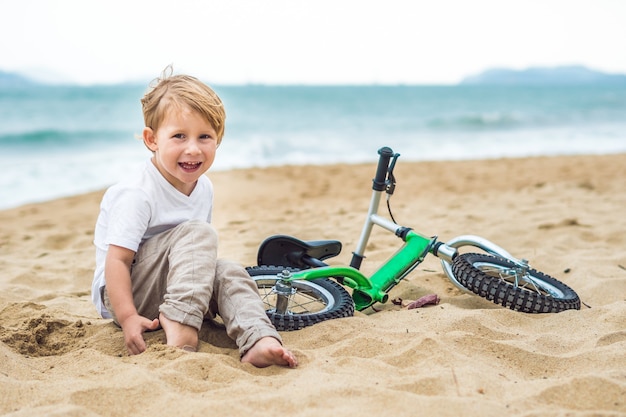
[{"x": 176, "y": 273}]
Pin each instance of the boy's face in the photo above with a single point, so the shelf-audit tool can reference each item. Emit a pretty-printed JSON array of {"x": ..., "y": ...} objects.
[{"x": 184, "y": 148}]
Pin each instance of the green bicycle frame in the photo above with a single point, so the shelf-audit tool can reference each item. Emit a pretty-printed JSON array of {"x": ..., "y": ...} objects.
[{"x": 368, "y": 291}]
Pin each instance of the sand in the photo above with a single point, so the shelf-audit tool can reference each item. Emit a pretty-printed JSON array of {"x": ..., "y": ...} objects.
[{"x": 465, "y": 356}]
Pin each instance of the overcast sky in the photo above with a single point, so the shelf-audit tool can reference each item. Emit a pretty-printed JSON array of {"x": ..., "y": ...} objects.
[{"x": 311, "y": 42}]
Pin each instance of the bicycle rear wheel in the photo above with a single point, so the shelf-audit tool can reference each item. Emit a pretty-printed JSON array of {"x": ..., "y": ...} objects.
[
  {"x": 311, "y": 302},
  {"x": 505, "y": 283}
]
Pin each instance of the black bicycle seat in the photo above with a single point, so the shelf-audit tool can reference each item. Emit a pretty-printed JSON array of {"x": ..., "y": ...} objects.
[{"x": 282, "y": 250}]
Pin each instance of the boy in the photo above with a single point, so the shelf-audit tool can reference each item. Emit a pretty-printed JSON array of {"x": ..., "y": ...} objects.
[{"x": 156, "y": 251}]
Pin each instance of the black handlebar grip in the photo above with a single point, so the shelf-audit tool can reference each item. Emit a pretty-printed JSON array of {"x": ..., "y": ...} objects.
[{"x": 383, "y": 165}]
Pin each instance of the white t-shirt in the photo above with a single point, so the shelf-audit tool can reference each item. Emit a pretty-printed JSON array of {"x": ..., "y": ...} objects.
[{"x": 138, "y": 208}]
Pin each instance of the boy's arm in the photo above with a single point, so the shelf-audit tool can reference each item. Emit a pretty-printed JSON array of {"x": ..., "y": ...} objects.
[{"x": 118, "y": 287}]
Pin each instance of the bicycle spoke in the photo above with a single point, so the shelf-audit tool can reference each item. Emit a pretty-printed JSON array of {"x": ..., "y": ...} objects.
[
  {"x": 303, "y": 307},
  {"x": 511, "y": 275},
  {"x": 265, "y": 296},
  {"x": 530, "y": 281},
  {"x": 301, "y": 302}
]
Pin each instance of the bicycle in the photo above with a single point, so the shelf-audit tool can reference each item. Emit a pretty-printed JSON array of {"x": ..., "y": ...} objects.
[{"x": 299, "y": 289}]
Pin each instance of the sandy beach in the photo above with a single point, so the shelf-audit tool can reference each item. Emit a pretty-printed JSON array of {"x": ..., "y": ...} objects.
[{"x": 464, "y": 356}]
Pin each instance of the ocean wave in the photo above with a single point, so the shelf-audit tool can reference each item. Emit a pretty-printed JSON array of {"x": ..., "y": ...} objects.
[
  {"x": 484, "y": 120},
  {"x": 57, "y": 138}
]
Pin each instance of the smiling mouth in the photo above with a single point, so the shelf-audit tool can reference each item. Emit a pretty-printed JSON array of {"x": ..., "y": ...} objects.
[{"x": 189, "y": 166}]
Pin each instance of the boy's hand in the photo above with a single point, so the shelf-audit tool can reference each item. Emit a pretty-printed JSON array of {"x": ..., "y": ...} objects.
[{"x": 133, "y": 327}]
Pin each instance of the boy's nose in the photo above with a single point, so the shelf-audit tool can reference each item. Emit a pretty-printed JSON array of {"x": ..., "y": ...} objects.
[{"x": 192, "y": 147}]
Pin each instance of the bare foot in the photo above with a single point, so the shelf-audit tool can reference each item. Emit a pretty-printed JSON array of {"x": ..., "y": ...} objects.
[
  {"x": 179, "y": 335},
  {"x": 268, "y": 351}
]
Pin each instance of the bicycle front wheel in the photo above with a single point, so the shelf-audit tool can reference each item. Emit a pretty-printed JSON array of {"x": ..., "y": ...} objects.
[
  {"x": 310, "y": 302},
  {"x": 505, "y": 283}
]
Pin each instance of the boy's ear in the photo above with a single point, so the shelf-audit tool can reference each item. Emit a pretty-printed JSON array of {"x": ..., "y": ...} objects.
[{"x": 149, "y": 139}]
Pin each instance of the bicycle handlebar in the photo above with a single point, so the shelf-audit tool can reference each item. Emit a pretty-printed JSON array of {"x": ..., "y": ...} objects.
[{"x": 380, "y": 180}]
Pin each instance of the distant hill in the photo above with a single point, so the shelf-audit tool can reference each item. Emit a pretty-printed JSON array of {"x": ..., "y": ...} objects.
[
  {"x": 572, "y": 75},
  {"x": 10, "y": 79}
]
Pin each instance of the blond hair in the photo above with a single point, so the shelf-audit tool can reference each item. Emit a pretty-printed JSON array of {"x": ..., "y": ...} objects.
[{"x": 181, "y": 91}]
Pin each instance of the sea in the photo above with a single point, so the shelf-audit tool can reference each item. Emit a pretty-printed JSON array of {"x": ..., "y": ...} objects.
[{"x": 58, "y": 141}]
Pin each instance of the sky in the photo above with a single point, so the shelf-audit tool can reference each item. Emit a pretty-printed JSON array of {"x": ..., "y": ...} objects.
[{"x": 306, "y": 42}]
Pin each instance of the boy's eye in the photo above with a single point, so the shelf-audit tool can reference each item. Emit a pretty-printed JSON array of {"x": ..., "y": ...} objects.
[
  {"x": 179, "y": 136},
  {"x": 205, "y": 137}
]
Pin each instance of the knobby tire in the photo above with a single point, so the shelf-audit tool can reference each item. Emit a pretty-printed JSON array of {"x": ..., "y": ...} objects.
[{"x": 483, "y": 275}]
